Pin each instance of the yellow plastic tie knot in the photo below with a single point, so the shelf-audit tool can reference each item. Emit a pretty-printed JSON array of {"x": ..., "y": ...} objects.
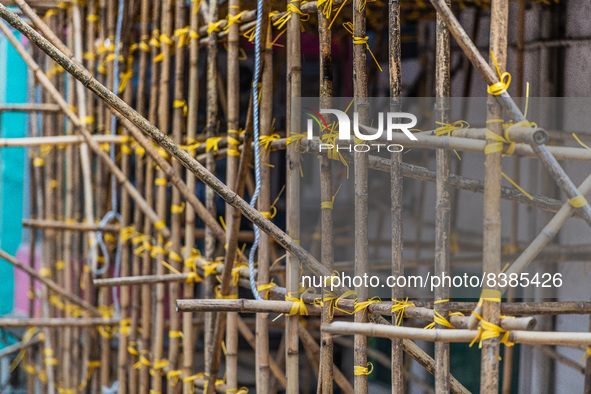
[
  {"x": 504, "y": 80},
  {"x": 578, "y": 201},
  {"x": 438, "y": 319},
  {"x": 358, "y": 370},
  {"x": 360, "y": 41},
  {"x": 399, "y": 307}
]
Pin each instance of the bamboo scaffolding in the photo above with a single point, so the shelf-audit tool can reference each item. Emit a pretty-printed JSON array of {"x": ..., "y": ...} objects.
[
  {"x": 549, "y": 161},
  {"x": 161, "y": 268}
]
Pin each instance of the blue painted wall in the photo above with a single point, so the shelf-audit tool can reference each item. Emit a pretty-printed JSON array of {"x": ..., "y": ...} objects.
[{"x": 13, "y": 89}]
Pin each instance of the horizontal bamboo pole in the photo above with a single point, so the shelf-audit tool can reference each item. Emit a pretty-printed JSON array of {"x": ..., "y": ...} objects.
[
  {"x": 28, "y": 107},
  {"x": 348, "y": 305},
  {"x": 419, "y": 334},
  {"x": 140, "y": 280},
  {"x": 424, "y": 140},
  {"x": 58, "y": 141},
  {"x": 51, "y": 285},
  {"x": 240, "y": 305},
  {"x": 525, "y": 308},
  {"x": 65, "y": 226},
  {"x": 57, "y": 322}
]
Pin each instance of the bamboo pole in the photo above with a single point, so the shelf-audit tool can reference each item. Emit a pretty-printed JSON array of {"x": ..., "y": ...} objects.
[
  {"x": 166, "y": 20},
  {"x": 146, "y": 344},
  {"x": 313, "y": 349},
  {"x": 443, "y": 199},
  {"x": 57, "y": 140},
  {"x": 491, "y": 251},
  {"x": 264, "y": 205},
  {"x": 232, "y": 162},
  {"x": 361, "y": 160},
  {"x": 56, "y": 322},
  {"x": 176, "y": 213},
  {"x": 211, "y": 113},
  {"x": 525, "y": 337},
  {"x": 67, "y": 226},
  {"x": 396, "y": 185},
  {"x": 326, "y": 373},
  {"x": 67, "y": 337},
  {"x": 138, "y": 218},
  {"x": 192, "y": 111},
  {"x": 348, "y": 306},
  {"x": 293, "y": 88}
]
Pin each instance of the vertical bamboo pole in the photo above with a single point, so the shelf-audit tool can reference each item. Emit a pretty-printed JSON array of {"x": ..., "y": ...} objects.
[
  {"x": 49, "y": 128},
  {"x": 144, "y": 349},
  {"x": 294, "y": 84},
  {"x": 489, "y": 377},
  {"x": 176, "y": 210},
  {"x": 166, "y": 49},
  {"x": 396, "y": 183},
  {"x": 233, "y": 108},
  {"x": 325, "y": 380},
  {"x": 192, "y": 112},
  {"x": 67, "y": 375},
  {"x": 263, "y": 205},
  {"x": 28, "y": 359},
  {"x": 104, "y": 201},
  {"x": 443, "y": 203},
  {"x": 125, "y": 327},
  {"x": 138, "y": 218},
  {"x": 361, "y": 161},
  {"x": 210, "y": 132},
  {"x": 35, "y": 197}
]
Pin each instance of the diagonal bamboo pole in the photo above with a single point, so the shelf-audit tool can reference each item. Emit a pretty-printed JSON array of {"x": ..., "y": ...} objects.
[{"x": 51, "y": 285}]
